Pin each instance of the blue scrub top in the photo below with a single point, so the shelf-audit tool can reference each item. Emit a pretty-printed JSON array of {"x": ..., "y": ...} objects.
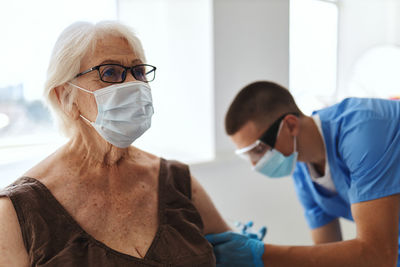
[{"x": 362, "y": 140}]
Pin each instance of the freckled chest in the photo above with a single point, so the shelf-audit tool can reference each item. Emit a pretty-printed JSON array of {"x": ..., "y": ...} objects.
[{"x": 123, "y": 213}]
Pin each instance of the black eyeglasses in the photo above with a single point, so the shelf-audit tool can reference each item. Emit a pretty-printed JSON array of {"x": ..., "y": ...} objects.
[
  {"x": 116, "y": 73},
  {"x": 269, "y": 136}
]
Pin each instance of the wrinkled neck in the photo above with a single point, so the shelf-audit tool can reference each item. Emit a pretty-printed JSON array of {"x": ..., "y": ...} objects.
[{"x": 90, "y": 147}]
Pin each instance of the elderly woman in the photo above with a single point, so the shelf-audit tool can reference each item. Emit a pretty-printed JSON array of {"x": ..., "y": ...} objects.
[{"x": 97, "y": 200}]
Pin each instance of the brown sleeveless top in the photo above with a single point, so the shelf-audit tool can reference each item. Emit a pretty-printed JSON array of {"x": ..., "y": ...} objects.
[{"x": 53, "y": 238}]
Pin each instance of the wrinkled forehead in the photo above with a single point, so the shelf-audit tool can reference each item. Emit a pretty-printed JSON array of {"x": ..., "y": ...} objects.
[{"x": 109, "y": 49}]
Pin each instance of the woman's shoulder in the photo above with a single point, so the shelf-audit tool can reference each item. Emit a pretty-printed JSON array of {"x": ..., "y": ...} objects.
[
  {"x": 43, "y": 169},
  {"x": 36, "y": 171},
  {"x": 14, "y": 254},
  {"x": 138, "y": 154}
]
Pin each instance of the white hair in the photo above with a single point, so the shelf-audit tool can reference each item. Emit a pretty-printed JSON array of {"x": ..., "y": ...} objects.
[{"x": 71, "y": 46}]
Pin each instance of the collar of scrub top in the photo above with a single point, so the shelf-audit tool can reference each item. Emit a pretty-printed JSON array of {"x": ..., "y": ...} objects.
[{"x": 268, "y": 137}]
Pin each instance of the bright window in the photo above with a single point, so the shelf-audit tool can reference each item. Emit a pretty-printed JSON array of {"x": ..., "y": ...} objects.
[
  {"x": 376, "y": 73},
  {"x": 313, "y": 53}
]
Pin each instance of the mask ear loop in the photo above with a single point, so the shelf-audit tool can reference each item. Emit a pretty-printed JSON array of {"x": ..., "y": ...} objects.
[
  {"x": 294, "y": 149},
  {"x": 295, "y": 139},
  {"x": 88, "y": 121},
  {"x": 83, "y": 89},
  {"x": 87, "y": 91},
  {"x": 279, "y": 130}
]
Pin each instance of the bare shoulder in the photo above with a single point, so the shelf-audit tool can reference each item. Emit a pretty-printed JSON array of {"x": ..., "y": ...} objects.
[
  {"x": 148, "y": 161},
  {"x": 46, "y": 167},
  {"x": 12, "y": 249},
  {"x": 142, "y": 155},
  {"x": 212, "y": 219}
]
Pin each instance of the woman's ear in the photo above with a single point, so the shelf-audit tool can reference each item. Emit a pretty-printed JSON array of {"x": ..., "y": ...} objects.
[
  {"x": 62, "y": 92},
  {"x": 66, "y": 101}
]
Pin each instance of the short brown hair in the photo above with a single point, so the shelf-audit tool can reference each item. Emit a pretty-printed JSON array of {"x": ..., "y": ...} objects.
[{"x": 259, "y": 101}]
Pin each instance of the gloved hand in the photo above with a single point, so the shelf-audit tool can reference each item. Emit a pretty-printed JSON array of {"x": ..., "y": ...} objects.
[
  {"x": 233, "y": 249},
  {"x": 247, "y": 230}
]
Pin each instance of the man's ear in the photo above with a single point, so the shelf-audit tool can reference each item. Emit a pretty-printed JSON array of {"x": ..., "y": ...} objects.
[
  {"x": 293, "y": 124},
  {"x": 64, "y": 94}
]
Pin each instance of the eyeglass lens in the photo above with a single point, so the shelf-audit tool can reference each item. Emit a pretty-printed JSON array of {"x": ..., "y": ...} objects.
[
  {"x": 116, "y": 73},
  {"x": 258, "y": 152}
]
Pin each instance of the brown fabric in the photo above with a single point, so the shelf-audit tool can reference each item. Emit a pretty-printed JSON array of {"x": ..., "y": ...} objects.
[{"x": 53, "y": 238}]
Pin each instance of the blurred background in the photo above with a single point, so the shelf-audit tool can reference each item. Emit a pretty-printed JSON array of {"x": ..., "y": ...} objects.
[{"x": 205, "y": 52}]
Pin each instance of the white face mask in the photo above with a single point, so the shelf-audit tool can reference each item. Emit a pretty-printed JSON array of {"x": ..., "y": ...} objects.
[{"x": 123, "y": 112}]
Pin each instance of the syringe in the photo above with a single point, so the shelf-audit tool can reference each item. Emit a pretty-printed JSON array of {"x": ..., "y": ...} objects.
[{"x": 248, "y": 230}]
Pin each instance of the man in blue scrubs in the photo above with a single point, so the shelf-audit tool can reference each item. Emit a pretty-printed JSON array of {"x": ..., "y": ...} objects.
[{"x": 345, "y": 161}]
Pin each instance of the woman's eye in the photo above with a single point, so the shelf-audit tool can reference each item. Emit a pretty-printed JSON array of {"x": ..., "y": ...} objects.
[
  {"x": 109, "y": 72},
  {"x": 140, "y": 74},
  {"x": 112, "y": 73}
]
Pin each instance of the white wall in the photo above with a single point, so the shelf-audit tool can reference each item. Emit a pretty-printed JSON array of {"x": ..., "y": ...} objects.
[
  {"x": 206, "y": 52},
  {"x": 224, "y": 45},
  {"x": 177, "y": 38},
  {"x": 251, "y": 42}
]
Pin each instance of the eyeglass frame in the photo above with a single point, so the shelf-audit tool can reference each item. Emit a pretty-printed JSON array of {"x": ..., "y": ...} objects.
[
  {"x": 114, "y": 64},
  {"x": 268, "y": 137}
]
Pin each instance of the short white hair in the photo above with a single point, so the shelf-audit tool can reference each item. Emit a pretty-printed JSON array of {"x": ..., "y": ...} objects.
[{"x": 72, "y": 45}]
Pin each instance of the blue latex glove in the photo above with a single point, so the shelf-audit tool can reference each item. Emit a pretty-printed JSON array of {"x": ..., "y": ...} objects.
[
  {"x": 233, "y": 249},
  {"x": 247, "y": 230}
]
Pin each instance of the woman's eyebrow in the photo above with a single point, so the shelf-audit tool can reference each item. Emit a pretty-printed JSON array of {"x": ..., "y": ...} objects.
[
  {"x": 110, "y": 61},
  {"x": 113, "y": 61},
  {"x": 136, "y": 61}
]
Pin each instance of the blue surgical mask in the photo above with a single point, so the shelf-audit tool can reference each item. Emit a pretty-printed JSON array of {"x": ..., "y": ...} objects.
[{"x": 276, "y": 165}]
